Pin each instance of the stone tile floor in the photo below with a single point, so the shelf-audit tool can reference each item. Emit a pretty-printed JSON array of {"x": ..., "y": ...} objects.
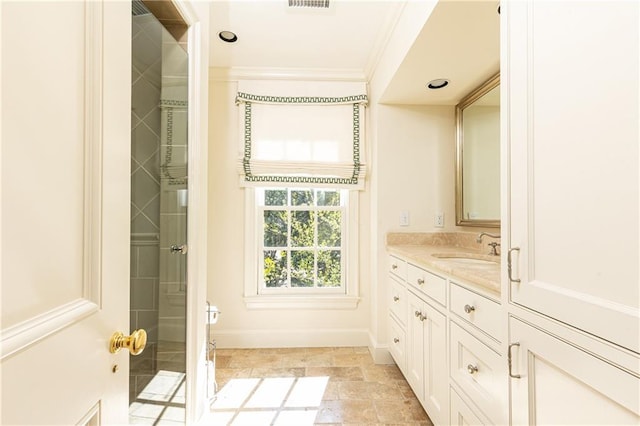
[{"x": 310, "y": 386}]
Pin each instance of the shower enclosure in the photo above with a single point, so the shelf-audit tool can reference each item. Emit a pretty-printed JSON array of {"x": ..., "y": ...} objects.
[{"x": 159, "y": 200}]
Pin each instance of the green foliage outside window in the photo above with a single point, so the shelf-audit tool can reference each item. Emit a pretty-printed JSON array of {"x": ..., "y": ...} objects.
[{"x": 302, "y": 238}]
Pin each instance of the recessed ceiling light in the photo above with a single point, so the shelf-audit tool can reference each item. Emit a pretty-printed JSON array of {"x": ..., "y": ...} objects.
[
  {"x": 438, "y": 83},
  {"x": 228, "y": 36}
]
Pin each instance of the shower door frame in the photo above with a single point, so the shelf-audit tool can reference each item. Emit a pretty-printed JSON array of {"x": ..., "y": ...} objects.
[{"x": 196, "y": 17}]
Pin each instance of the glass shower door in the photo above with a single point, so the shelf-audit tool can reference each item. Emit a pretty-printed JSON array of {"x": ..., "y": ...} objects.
[{"x": 158, "y": 219}]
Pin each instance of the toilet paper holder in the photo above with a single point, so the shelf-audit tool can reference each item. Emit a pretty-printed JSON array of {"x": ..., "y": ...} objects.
[{"x": 212, "y": 313}]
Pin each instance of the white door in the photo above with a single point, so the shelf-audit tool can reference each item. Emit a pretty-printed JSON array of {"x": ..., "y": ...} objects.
[
  {"x": 561, "y": 384},
  {"x": 66, "y": 81},
  {"x": 570, "y": 75}
]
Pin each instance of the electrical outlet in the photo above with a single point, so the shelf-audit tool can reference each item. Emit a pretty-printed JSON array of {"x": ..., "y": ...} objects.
[
  {"x": 404, "y": 218},
  {"x": 439, "y": 220}
]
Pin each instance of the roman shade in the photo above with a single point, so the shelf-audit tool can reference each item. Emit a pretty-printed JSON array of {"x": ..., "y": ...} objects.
[{"x": 302, "y": 133}]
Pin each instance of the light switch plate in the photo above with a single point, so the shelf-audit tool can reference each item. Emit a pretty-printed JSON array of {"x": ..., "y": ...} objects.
[{"x": 404, "y": 218}]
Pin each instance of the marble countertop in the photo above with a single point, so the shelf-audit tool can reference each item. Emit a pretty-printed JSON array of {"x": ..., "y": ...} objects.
[{"x": 420, "y": 249}]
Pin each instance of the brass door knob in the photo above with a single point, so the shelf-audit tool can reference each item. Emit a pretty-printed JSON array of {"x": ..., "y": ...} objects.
[{"x": 135, "y": 343}]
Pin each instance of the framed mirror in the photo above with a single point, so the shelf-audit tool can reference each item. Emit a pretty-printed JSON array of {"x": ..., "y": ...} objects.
[{"x": 478, "y": 156}]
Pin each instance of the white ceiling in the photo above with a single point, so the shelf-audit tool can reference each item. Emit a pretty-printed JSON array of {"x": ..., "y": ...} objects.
[{"x": 460, "y": 42}]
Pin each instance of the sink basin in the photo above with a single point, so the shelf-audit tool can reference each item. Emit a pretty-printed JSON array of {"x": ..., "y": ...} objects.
[{"x": 468, "y": 258}]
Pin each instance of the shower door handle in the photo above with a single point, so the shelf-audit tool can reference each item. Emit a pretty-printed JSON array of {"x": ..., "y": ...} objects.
[{"x": 175, "y": 248}]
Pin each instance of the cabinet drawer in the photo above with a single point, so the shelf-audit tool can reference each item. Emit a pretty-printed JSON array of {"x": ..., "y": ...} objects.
[
  {"x": 461, "y": 414},
  {"x": 477, "y": 310},
  {"x": 480, "y": 372},
  {"x": 398, "y": 267},
  {"x": 430, "y": 284},
  {"x": 398, "y": 300},
  {"x": 397, "y": 344}
]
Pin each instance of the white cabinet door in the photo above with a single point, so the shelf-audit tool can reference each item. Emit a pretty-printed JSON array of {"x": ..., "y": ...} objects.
[
  {"x": 436, "y": 378},
  {"x": 65, "y": 211},
  {"x": 562, "y": 384},
  {"x": 427, "y": 354},
  {"x": 570, "y": 89},
  {"x": 415, "y": 340}
]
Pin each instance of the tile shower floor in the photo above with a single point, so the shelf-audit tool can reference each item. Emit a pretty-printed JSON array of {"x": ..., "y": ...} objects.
[
  {"x": 308, "y": 386},
  {"x": 157, "y": 389}
]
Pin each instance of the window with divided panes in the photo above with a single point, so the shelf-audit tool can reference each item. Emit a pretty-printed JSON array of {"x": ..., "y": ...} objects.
[{"x": 302, "y": 239}]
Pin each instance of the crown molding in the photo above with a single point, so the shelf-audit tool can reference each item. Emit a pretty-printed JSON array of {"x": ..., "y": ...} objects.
[
  {"x": 382, "y": 40},
  {"x": 299, "y": 74}
]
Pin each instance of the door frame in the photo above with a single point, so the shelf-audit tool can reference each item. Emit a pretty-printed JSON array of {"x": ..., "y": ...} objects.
[{"x": 196, "y": 16}]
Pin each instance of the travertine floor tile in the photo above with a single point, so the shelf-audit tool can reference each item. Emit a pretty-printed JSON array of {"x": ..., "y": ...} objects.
[
  {"x": 369, "y": 390},
  {"x": 336, "y": 386},
  {"x": 278, "y": 372},
  {"x": 337, "y": 373},
  {"x": 347, "y": 411},
  {"x": 408, "y": 410}
]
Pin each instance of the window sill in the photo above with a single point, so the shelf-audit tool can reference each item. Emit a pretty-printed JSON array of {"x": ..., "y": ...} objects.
[{"x": 302, "y": 302}]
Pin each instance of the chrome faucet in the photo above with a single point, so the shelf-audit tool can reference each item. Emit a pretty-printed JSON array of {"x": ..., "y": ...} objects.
[{"x": 494, "y": 245}]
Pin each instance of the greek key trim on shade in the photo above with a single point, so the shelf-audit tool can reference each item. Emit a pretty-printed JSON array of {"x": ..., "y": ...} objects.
[{"x": 344, "y": 173}]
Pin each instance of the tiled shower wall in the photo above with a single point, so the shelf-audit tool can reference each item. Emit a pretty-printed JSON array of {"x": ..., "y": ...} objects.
[
  {"x": 173, "y": 191},
  {"x": 145, "y": 192}
]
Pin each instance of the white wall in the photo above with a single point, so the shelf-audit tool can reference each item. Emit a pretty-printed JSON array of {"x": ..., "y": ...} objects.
[
  {"x": 410, "y": 154},
  {"x": 415, "y": 172},
  {"x": 238, "y": 326}
]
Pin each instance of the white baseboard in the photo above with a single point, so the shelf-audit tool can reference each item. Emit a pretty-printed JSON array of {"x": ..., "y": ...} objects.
[
  {"x": 239, "y": 339},
  {"x": 379, "y": 353}
]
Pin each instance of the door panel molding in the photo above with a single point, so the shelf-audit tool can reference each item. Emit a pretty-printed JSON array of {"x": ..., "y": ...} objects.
[
  {"x": 93, "y": 153},
  {"x": 37, "y": 327},
  {"x": 21, "y": 336}
]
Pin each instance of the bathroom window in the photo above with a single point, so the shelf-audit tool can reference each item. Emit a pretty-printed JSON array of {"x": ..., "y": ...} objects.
[
  {"x": 302, "y": 234},
  {"x": 304, "y": 244}
]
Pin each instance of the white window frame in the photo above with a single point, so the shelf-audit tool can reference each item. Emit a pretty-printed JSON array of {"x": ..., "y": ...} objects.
[{"x": 255, "y": 297}]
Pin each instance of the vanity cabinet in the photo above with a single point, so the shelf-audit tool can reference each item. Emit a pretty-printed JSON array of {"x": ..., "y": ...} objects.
[
  {"x": 435, "y": 353},
  {"x": 397, "y": 303},
  {"x": 427, "y": 357}
]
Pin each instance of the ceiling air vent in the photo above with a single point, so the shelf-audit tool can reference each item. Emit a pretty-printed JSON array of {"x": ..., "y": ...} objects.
[
  {"x": 138, "y": 8},
  {"x": 309, "y": 3}
]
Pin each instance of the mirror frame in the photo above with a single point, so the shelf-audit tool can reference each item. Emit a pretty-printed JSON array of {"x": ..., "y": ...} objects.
[{"x": 467, "y": 101}]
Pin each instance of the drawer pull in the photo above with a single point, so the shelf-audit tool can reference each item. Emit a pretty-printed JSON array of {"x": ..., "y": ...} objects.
[
  {"x": 469, "y": 308},
  {"x": 396, "y": 298},
  {"x": 509, "y": 265},
  {"x": 472, "y": 369},
  {"x": 417, "y": 314},
  {"x": 420, "y": 281},
  {"x": 394, "y": 266},
  {"x": 396, "y": 340},
  {"x": 515, "y": 376}
]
